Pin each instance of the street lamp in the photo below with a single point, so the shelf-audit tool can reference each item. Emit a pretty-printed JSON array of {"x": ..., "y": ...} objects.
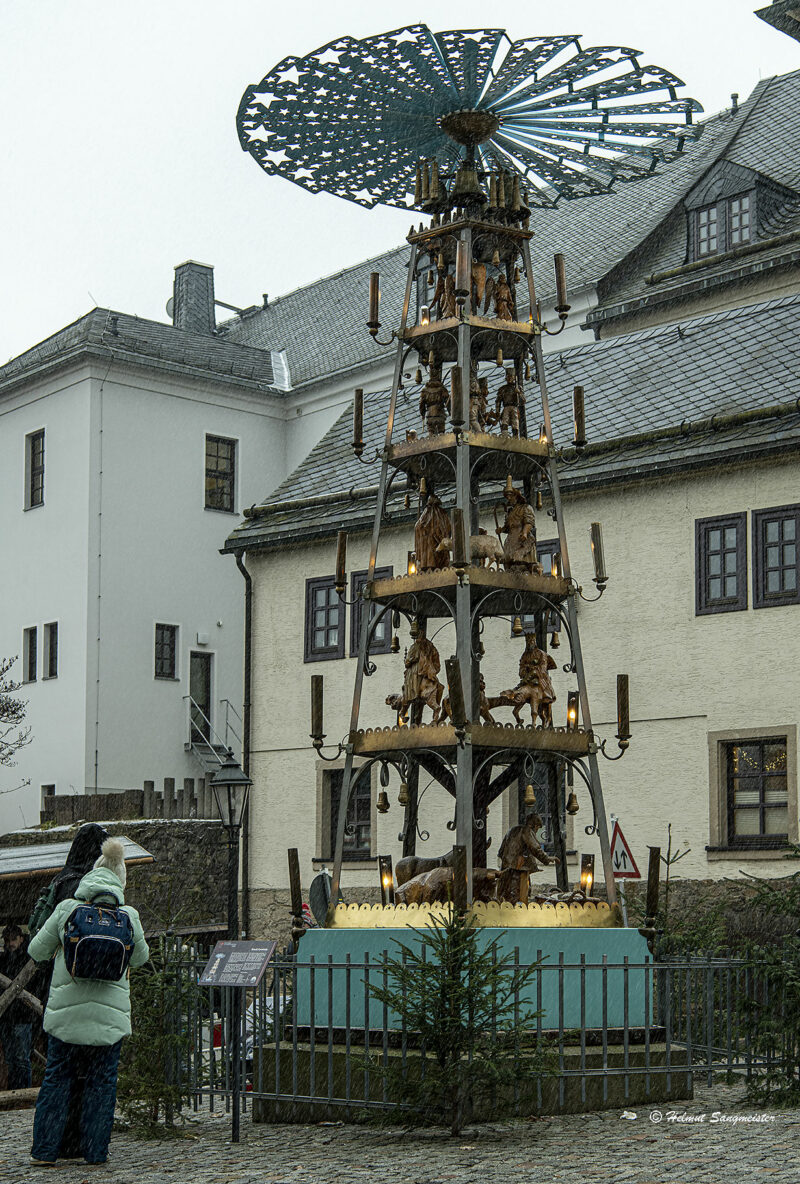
[{"x": 231, "y": 788}]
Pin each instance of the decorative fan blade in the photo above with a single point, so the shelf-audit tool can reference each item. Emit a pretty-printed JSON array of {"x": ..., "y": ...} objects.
[{"x": 354, "y": 118}]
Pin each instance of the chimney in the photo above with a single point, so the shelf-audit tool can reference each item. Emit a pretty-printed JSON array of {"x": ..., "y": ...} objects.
[{"x": 193, "y": 298}]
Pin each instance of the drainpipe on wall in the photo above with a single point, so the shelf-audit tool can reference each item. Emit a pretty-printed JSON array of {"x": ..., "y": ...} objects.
[{"x": 248, "y": 620}]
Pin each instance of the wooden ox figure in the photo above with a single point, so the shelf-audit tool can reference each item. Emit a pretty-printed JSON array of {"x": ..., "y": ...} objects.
[
  {"x": 436, "y": 886},
  {"x": 414, "y": 865}
]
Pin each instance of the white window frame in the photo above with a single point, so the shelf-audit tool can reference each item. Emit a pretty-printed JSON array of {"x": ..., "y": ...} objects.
[
  {"x": 237, "y": 452},
  {"x": 711, "y": 224},
  {"x": 28, "y": 502},
  {"x": 176, "y": 677},
  {"x": 745, "y": 210},
  {"x": 47, "y": 639},
  {"x": 30, "y": 632}
]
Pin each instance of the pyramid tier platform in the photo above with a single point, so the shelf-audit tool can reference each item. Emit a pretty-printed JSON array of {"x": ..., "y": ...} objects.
[
  {"x": 546, "y": 743},
  {"x": 489, "y": 334},
  {"x": 487, "y": 237},
  {"x": 433, "y": 593},
  {"x": 492, "y": 457},
  {"x": 493, "y": 914}
]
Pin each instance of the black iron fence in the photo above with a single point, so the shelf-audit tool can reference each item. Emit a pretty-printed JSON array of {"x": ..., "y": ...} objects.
[{"x": 313, "y": 1041}]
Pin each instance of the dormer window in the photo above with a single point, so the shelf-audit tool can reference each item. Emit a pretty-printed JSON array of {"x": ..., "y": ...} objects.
[
  {"x": 723, "y": 226},
  {"x": 731, "y": 207}
]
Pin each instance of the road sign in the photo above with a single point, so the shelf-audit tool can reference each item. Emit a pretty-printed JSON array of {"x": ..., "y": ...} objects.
[{"x": 622, "y": 860}]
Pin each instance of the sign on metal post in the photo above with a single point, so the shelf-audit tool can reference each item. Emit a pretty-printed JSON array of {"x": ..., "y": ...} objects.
[
  {"x": 237, "y": 963},
  {"x": 622, "y": 860},
  {"x": 236, "y": 966}
]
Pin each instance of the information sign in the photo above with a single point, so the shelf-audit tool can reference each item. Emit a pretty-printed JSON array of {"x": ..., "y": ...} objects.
[{"x": 237, "y": 963}]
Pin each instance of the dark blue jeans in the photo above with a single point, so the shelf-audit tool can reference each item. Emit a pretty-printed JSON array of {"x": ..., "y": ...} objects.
[
  {"x": 16, "y": 1042},
  {"x": 65, "y": 1062}
]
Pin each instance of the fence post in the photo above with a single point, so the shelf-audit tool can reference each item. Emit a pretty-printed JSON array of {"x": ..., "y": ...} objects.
[
  {"x": 149, "y": 800},
  {"x": 169, "y": 797},
  {"x": 187, "y": 797},
  {"x": 202, "y": 802}
]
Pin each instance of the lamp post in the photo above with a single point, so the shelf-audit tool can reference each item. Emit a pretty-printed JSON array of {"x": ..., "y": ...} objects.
[{"x": 231, "y": 787}]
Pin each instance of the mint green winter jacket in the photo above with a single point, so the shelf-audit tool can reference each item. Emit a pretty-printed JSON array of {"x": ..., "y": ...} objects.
[{"x": 84, "y": 1011}]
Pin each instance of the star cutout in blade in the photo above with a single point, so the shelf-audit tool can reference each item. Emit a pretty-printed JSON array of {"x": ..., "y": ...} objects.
[{"x": 568, "y": 120}]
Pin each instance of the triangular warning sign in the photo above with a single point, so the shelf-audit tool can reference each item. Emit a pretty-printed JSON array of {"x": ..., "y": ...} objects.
[{"x": 622, "y": 860}]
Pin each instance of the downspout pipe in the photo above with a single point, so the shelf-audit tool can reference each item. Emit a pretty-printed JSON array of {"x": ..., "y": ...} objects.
[{"x": 248, "y": 627}]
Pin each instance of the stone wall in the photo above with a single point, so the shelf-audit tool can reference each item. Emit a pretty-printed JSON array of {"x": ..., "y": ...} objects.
[
  {"x": 186, "y": 886},
  {"x": 696, "y": 907},
  {"x": 727, "y": 909},
  {"x": 270, "y": 912}
]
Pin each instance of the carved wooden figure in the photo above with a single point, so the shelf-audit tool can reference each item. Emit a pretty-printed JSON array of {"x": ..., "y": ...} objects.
[
  {"x": 534, "y": 686},
  {"x": 519, "y": 856},
  {"x": 420, "y": 684},
  {"x": 414, "y": 865},
  {"x": 483, "y": 549},
  {"x": 478, "y": 404},
  {"x": 478, "y": 284},
  {"x": 508, "y": 401},
  {"x": 436, "y": 886},
  {"x": 519, "y": 527},
  {"x": 434, "y": 401},
  {"x": 503, "y": 300},
  {"x": 432, "y": 526},
  {"x": 444, "y": 298}
]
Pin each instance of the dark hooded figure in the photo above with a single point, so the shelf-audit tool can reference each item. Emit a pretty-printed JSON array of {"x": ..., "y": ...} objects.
[{"x": 86, "y": 848}]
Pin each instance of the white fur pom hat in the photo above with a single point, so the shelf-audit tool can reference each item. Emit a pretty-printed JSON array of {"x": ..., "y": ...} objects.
[{"x": 113, "y": 858}]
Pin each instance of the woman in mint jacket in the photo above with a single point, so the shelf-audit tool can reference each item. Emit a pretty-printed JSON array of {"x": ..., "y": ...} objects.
[{"x": 85, "y": 1021}]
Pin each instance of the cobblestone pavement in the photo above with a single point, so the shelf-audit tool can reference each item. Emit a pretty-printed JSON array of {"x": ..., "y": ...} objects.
[{"x": 582, "y": 1147}]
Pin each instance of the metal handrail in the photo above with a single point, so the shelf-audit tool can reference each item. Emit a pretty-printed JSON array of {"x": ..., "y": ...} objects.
[
  {"x": 207, "y": 742},
  {"x": 229, "y": 728}
]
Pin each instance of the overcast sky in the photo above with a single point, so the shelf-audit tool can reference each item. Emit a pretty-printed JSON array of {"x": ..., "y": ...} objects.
[{"x": 121, "y": 158}]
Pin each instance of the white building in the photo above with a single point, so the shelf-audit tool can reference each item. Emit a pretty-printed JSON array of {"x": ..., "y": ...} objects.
[{"x": 111, "y": 432}]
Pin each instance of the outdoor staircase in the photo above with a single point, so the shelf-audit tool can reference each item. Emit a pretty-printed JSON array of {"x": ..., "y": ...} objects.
[{"x": 205, "y": 744}]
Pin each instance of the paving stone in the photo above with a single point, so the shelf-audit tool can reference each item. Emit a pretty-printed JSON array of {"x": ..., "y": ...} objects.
[{"x": 570, "y": 1149}]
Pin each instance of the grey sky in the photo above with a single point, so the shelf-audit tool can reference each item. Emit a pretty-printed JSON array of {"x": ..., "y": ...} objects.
[{"x": 121, "y": 157}]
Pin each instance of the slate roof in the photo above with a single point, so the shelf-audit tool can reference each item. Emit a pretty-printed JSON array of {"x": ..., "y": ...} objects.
[
  {"x": 128, "y": 338},
  {"x": 594, "y": 234},
  {"x": 322, "y": 326},
  {"x": 644, "y": 392},
  {"x": 764, "y": 135}
]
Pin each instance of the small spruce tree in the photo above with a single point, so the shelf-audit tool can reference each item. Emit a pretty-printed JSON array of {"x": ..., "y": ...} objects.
[
  {"x": 149, "y": 1089},
  {"x": 773, "y": 1002},
  {"x": 461, "y": 1000}
]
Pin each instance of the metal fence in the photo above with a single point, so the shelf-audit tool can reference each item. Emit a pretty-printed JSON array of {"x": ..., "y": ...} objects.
[{"x": 608, "y": 1034}]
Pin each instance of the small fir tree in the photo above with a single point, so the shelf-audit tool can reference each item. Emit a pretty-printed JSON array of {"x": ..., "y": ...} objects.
[
  {"x": 150, "y": 1091},
  {"x": 164, "y": 995},
  {"x": 773, "y": 1002},
  {"x": 462, "y": 1001}
]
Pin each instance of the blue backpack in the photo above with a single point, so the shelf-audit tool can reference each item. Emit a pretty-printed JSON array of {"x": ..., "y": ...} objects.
[{"x": 98, "y": 941}]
